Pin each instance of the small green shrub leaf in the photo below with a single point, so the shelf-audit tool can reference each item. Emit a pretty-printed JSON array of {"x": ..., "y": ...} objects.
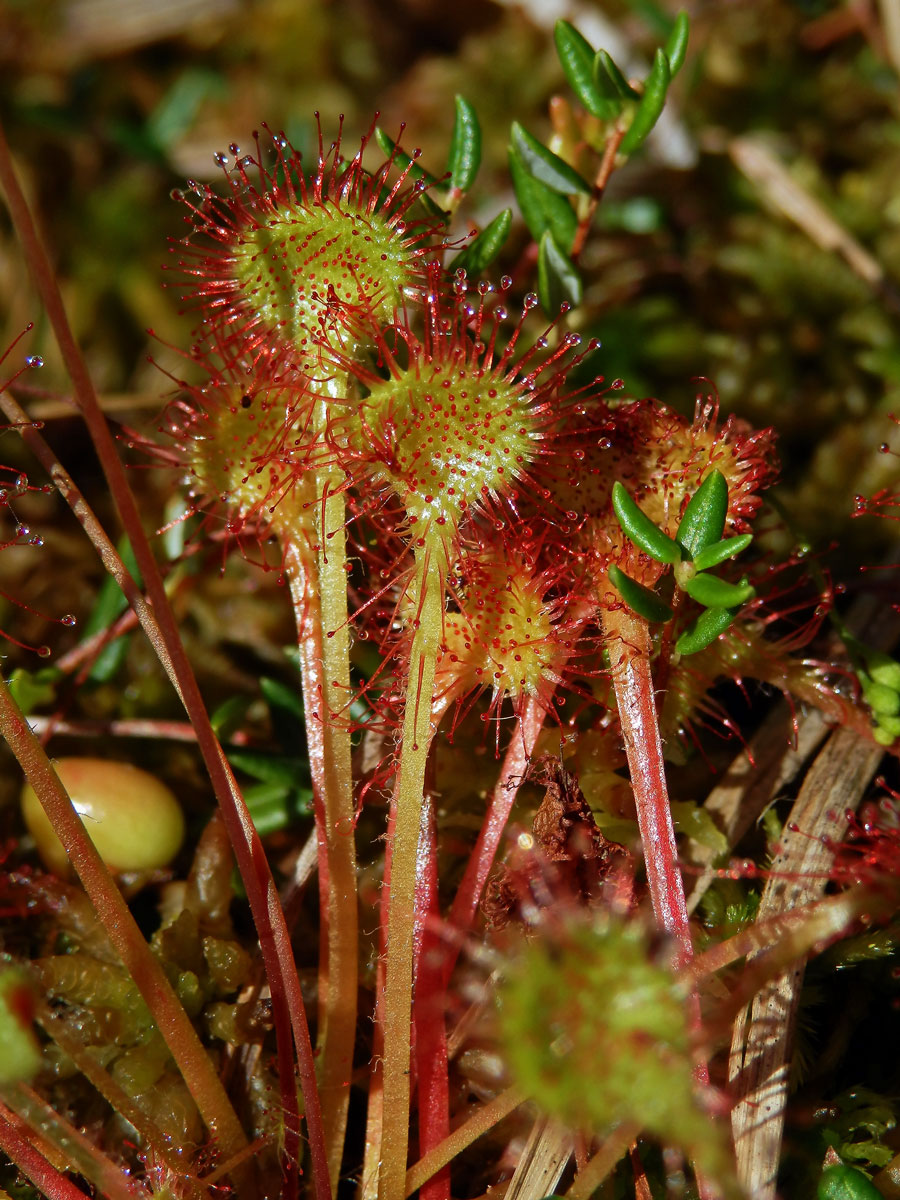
[
  {"x": 707, "y": 627},
  {"x": 720, "y": 552},
  {"x": 545, "y": 166},
  {"x": 558, "y": 279},
  {"x": 483, "y": 249},
  {"x": 276, "y": 806},
  {"x": 639, "y": 598},
  {"x": 677, "y": 43},
  {"x": 704, "y": 517},
  {"x": 640, "y": 530},
  {"x": 403, "y": 160},
  {"x": 465, "y": 146},
  {"x": 651, "y": 105},
  {"x": 712, "y": 592},
  {"x": 577, "y": 58},
  {"x": 541, "y": 207},
  {"x": 611, "y": 83}
]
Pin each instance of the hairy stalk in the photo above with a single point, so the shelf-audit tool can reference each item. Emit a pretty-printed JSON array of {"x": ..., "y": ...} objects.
[
  {"x": 485, "y": 1117},
  {"x": 428, "y": 1010},
  {"x": 627, "y": 639},
  {"x": 628, "y": 644},
  {"x": 24, "y": 1150},
  {"x": 529, "y": 724},
  {"x": 615, "y": 1147},
  {"x": 288, "y": 1010},
  {"x": 149, "y": 978},
  {"x": 318, "y": 580},
  {"x": 79, "y": 1153},
  {"x": 407, "y": 802}
]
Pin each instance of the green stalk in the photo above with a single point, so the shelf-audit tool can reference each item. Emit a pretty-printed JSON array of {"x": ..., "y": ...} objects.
[
  {"x": 408, "y": 794},
  {"x": 318, "y": 580}
]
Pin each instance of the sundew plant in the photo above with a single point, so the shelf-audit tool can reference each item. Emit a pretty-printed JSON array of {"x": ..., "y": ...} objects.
[{"x": 496, "y": 867}]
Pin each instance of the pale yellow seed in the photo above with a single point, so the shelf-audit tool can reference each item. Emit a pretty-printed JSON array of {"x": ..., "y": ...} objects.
[{"x": 132, "y": 818}]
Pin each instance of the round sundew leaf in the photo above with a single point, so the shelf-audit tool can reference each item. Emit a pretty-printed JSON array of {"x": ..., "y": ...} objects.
[
  {"x": 297, "y": 262},
  {"x": 132, "y": 818},
  {"x": 712, "y": 592},
  {"x": 639, "y": 598},
  {"x": 720, "y": 552},
  {"x": 640, "y": 530},
  {"x": 845, "y": 1183},
  {"x": 465, "y": 146},
  {"x": 444, "y": 434},
  {"x": 704, "y": 518},
  {"x": 708, "y": 626}
]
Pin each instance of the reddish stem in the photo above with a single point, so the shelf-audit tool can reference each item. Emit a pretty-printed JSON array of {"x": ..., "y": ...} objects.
[
  {"x": 518, "y": 754},
  {"x": 25, "y": 1154},
  {"x": 428, "y": 1012},
  {"x": 262, "y": 895},
  {"x": 628, "y": 644}
]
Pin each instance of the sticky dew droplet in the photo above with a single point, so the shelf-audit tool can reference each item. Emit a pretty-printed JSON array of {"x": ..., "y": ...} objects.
[{"x": 34, "y": 361}]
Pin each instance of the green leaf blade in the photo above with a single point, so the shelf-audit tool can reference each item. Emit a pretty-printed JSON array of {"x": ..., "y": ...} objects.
[
  {"x": 712, "y": 592},
  {"x": 464, "y": 157},
  {"x": 611, "y": 83},
  {"x": 542, "y": 208},
  {"x": 545, "y": 166},
  {"x": 846, "y": 1183},
  {"x": 704, "y": 518},
  {"x": 576, "y": 56},
  {"x": 677, "y": 43},
  {"x": 709, "y": 625},
  {"x": 485, "y": 248},
  {"x": 652, "y": 103},
  {"x": 640, "y": 530},
  {"x": 558, "y": 280},
  {"x": 720, "y": 552},
  {"x": 639, "y": 598}
]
